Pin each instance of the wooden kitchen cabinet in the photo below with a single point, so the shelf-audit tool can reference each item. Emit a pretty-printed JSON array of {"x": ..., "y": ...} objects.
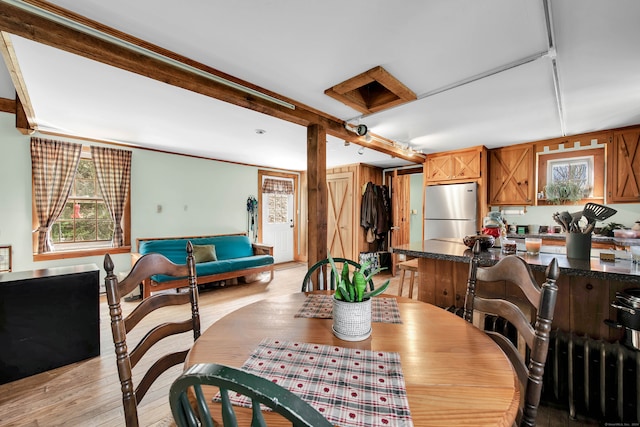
[
  {"x": 512, "y": 175},
  {"x": 624, "y": 167},
  {"x": 457, "y": 165}
]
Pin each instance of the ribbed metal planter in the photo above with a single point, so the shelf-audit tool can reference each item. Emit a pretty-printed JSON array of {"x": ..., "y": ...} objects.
[{"x": 352, "y": 320}]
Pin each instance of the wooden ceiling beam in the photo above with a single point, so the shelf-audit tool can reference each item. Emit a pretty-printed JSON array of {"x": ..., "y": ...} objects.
[
  {"x": 34, "y": 27},
  {"x": 8, "y": 105}
]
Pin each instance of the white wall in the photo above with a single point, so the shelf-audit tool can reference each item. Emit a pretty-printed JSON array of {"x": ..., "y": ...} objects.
[{"x": 197, "y": 197}]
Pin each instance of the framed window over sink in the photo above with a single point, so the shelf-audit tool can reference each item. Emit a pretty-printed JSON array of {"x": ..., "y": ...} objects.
[{"x": 571, "y": 177}]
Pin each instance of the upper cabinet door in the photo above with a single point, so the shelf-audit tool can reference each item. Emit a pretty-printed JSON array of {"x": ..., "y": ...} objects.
[
  {"x": 511, "y": 175},
  {"x": 438, "y": 167},
  {"x": 466, "y": 164},
  {"x": 624, "y": 170},
  {"x": 461, "y": 165}
]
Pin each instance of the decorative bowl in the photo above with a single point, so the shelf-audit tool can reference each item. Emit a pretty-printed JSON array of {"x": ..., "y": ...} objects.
[{"x": 486, "y": 241}]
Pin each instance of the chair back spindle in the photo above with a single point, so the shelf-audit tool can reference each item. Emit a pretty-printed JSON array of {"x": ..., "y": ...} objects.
[
  {"x": 539, "y": 299},
  {"x": 148, "y": 265},
  {"x": 194, "y": 411}
]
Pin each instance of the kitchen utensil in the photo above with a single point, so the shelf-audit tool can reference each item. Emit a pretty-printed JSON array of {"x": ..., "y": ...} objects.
[
  {"x": 597, "y": 212},
  {"x": 574, "y": 226},
  {"x": 557, "y": 218},
  {"x": 566, "y": 220},
  {"x": 589, "y": 228}
]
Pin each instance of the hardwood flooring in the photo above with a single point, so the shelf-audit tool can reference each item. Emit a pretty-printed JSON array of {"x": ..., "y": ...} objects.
[{"x": 88, "y": 393}]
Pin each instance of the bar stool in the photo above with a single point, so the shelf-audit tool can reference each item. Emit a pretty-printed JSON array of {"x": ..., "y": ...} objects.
[{"x": 412, "y": 267}]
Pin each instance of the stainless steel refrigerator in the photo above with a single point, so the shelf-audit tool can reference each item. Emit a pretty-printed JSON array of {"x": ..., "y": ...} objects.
[{"x": 450, "y": 210}]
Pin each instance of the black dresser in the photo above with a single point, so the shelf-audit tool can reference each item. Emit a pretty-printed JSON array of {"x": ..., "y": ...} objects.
[{"x": 48, "y": 318}]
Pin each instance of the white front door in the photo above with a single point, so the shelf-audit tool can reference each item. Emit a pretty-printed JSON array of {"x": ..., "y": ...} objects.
[{"x": 277, "y": 224}]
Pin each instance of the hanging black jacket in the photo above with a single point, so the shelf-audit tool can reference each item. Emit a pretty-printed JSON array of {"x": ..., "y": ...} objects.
[{"x": 368, "y": 207}]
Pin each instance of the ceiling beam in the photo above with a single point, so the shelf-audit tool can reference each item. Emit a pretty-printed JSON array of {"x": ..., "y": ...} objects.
[
  {"x": 8, "y": 105},
  {"x": 129, "y": 55}
]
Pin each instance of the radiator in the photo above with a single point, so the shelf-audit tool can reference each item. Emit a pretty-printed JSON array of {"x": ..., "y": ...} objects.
[{"x": 590, "y": 377}]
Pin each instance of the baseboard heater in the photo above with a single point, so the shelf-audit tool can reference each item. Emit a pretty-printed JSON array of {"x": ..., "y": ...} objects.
[{"x": 589, "y": 377}]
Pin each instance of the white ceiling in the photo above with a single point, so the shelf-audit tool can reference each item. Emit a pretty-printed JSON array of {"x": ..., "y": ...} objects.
[{"x": 480, "y": 69}]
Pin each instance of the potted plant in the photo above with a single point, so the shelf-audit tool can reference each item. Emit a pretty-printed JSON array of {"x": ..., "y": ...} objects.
[
  {"x": 563, "y": 191},
  {"x": 351, "y": 304}
]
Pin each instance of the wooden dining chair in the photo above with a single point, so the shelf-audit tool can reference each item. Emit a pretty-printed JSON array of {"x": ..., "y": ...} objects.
[
  {"x": 542, "y": 299},
  {"x": 322, "y": 274},
  {"x": 147, "y": 266},
  {"x": 190, "y": 407}
]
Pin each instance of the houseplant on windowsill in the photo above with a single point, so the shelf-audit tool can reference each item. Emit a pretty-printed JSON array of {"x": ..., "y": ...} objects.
[
  {"x": 560, "y": 192},
  {"x": 351, "y": 304}
]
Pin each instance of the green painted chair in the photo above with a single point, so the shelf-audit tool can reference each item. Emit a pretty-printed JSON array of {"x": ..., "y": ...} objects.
[
  {"x": 260, "y": 390},
  {"x": 321, "y": 273}
]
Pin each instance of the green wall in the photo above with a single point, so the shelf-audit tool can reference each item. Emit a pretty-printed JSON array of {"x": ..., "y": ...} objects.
[{"x": 197, "y": 197}]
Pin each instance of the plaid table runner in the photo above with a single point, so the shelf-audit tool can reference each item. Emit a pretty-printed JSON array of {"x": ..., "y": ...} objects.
[
  {"x": 383, "y": 310},
  {"x": 350, "y": 387}
]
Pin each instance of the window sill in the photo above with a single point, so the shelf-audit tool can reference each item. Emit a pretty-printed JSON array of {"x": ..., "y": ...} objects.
[{"x": 80, "y": 253}]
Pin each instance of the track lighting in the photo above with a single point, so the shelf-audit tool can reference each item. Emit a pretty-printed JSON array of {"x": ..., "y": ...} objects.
[
  {"x": 361, "y": 151},
  {"x": 360, "y": 130}
]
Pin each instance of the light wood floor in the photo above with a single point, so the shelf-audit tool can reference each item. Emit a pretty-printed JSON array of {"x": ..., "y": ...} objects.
[{"x": 88, "y": 393}]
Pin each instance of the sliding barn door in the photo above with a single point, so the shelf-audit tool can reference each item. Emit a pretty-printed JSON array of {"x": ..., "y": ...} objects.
[{"x": 340, "y": 218}]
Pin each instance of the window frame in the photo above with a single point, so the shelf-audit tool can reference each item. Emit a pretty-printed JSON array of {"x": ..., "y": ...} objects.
[
  {"x": 86, "y": 250},
  {"x": 598, "y": 154}
]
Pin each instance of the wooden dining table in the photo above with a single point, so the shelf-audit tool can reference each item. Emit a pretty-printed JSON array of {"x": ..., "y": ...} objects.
[{"x": 453, "y": 372}]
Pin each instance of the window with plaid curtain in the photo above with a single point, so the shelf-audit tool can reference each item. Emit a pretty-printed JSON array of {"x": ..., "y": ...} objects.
[
  {"x": 113, "y": 170},
  {"x": 53, "y": 169}
]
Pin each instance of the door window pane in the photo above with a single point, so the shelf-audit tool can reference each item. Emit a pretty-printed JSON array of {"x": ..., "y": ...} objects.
[{"x": 278, "y": 208}]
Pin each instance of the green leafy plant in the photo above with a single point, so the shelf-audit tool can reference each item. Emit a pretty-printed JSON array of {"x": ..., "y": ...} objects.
[
  {"x": 607, "y": 230},
  {"x": 563, "y": 191},
  {"x": 353, "y": 289}
]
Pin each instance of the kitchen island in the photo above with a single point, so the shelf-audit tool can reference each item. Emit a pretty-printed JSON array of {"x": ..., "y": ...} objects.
[{"x": 586, "y": 287}]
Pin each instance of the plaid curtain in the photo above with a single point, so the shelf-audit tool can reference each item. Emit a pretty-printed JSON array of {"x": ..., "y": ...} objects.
[
  {"x": 277, "y": 186},
  {"x": 113, "y": 170},
  {"x": 53, "y": 169}
]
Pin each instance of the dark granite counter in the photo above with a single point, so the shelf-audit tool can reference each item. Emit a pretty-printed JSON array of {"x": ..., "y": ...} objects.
[
  {"x": 622, "y": 270},
  {"x": 614, "y": 241}
]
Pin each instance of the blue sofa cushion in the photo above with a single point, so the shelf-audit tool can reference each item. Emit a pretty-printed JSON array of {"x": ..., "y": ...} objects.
[
  {"x": 224, "y": 266},
  {"x": 227, "y": 247},
  {"x": 233, "y": 253}
]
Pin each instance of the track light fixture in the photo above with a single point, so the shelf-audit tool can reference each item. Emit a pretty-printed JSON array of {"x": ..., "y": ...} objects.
[{"x": 360, "y": 130}]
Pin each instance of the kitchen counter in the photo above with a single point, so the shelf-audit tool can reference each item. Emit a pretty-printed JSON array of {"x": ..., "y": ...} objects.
[
  {"x": 595, "y": 238},
  {"x": 586, "y": 287},
  {"x": 453, "y": 250}
]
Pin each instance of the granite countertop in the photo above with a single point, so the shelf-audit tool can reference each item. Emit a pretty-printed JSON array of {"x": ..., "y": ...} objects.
[{"x": 454, "y": 250}]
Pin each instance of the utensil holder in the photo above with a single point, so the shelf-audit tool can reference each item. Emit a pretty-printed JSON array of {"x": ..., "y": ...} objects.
[{"x": 578, "y": 245}]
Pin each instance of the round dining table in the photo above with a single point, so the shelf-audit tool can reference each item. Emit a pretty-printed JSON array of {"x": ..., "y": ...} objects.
[{"x": 453, "y": 372}]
